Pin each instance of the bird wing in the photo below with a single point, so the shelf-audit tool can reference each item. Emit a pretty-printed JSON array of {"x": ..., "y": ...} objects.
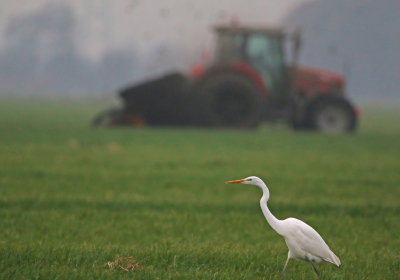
[{"x": 311, "y": 242}]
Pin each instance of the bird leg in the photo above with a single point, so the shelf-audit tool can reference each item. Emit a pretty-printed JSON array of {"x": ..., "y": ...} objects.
[
  {"x": 316, "y": 270},
  {"x": 284, "y": 268}
]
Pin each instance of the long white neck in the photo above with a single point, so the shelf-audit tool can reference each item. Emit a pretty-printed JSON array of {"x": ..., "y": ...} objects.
[{"x": 274, "y": 222}]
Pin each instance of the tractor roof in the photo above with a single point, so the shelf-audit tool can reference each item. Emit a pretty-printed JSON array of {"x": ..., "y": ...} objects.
[{"x": 272, "y": 31}]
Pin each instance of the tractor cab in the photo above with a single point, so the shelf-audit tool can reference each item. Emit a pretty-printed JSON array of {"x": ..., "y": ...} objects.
[{"x": 259, "y": 48}]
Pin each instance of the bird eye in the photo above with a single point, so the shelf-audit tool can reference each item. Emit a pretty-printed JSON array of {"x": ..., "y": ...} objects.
[{"x": 249, "y": 179}]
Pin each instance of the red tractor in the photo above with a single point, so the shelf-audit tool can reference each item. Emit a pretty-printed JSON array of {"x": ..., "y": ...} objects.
[{"x": 248, "y": 83}]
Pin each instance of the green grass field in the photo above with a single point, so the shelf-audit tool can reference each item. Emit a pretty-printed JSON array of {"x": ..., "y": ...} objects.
[{"x": 73, "y": 199}]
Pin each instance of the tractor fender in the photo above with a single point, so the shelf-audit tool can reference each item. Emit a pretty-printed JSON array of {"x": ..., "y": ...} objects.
[{"x": 238, "y": 68}]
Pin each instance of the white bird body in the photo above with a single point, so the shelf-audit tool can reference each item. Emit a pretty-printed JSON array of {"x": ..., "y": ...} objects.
[{"x": 304, "y": 243}]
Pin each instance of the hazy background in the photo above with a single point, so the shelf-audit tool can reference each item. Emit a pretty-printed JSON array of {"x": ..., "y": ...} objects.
[{"x": 94, "y": 47}]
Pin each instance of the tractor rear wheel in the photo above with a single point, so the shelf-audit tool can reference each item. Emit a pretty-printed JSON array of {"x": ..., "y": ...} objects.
[
  {"x": 230, "y": 100},
  {"x": 333, "y": 117}
]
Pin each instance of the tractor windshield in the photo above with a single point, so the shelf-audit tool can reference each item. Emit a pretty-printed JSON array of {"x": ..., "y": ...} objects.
[{"x": 263, "y": 52}]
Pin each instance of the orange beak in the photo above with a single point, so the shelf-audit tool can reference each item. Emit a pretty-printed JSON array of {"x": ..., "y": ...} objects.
[{"x": 236, "y": 181}]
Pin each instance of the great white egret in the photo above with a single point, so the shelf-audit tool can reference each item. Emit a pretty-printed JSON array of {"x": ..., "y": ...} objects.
[{"x": 304, "y": 243}]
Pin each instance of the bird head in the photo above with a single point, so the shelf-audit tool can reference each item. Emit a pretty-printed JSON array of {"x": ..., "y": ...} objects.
[{"x": 252, "y": 180}]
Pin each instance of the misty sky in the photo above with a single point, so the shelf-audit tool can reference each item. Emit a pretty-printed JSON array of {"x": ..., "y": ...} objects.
[
  {"x": 104, "y": 24},
  {"x": 86, "y": 46}
]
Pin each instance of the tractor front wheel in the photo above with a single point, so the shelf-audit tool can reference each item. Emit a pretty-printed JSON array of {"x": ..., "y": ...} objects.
[{"x": 334, "y": 117}]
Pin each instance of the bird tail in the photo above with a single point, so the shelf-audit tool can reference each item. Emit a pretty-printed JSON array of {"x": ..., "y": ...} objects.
[{"x": 335, "y": 259}]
